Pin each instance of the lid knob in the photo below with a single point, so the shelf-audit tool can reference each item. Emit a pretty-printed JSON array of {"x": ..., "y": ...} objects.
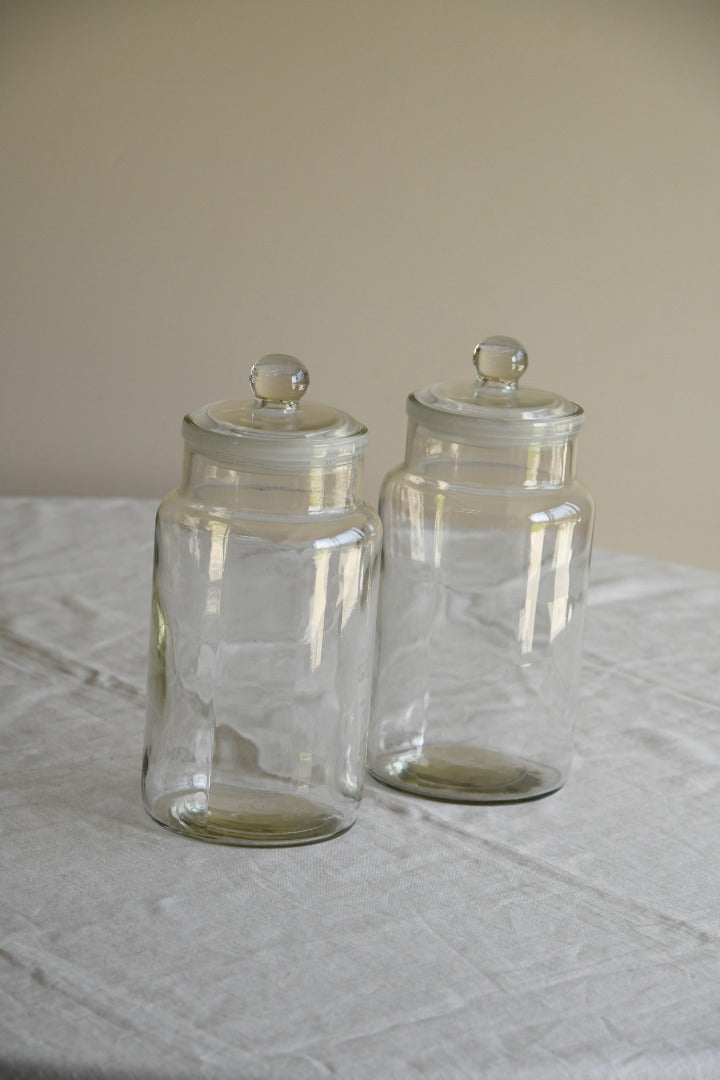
[
  {"x": 500, "y": 360},
  {"x": 279, "y": 381}
]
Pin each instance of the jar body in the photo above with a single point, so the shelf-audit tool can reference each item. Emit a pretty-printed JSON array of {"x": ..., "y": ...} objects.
[
  {"x": 260, "y": 662},
  {"x": 483, "y": 588}
]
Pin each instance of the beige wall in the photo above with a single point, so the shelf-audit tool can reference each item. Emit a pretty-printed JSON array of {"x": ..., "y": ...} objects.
[{"x": 372, "y": 185}]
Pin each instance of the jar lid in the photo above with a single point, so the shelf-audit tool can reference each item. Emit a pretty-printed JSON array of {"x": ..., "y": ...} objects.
[
  {"x": 274, "y": 426},
  {"x": 494, "y": 408}
]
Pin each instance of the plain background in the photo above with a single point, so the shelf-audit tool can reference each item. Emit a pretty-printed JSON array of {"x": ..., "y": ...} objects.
[{"x": 372, "y": 186}]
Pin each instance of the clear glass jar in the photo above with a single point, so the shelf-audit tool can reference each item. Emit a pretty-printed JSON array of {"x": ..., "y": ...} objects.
[
  {"x": 487, "y": 540},
  {"x": 263, "y": 621}
]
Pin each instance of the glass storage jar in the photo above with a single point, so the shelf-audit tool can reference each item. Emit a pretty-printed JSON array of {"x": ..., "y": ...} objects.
[
  {"x": 263, "y": 621},
  {"x": 487, "y": 539}
]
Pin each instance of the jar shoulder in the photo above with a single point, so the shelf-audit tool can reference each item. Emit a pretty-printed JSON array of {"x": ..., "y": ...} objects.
[
  {"x": 403, "y": 490},
  {"x": 359, "y": 522}
]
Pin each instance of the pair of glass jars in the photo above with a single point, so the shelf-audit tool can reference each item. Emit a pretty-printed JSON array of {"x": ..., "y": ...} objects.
[{"x": 269, "y": 690}]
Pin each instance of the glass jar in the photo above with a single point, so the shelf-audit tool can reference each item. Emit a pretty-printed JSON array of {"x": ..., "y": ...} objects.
[
  {"x": 263, "y": 621},
  {"x": 487, "y": 539}
]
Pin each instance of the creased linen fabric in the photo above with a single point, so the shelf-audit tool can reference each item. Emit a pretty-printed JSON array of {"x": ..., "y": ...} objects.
[{"x": 577, "y": 936}]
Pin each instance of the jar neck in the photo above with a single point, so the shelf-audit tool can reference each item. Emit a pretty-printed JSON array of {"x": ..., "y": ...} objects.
[
  {"x": 526, "y": 466},
  {"x": 256, "y": 488}
]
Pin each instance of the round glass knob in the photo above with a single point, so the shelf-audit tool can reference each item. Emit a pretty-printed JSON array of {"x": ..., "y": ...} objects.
[
  {"x": 500, "y": 360},
  {"x": 279, "y": 380}
]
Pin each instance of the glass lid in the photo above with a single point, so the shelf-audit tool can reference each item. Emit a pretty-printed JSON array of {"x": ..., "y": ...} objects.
[
  {"x": 275, "y": 424},
  {"x": 494, "y": 407}
]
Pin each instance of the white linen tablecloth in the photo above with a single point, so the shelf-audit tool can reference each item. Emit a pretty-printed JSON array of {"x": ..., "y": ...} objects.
[{"x": 577, "y": 936}]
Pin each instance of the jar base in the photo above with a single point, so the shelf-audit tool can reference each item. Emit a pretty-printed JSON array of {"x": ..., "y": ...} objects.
[
  {"x": 466, "y": 775},
  {"x": 249, "y": 818}
]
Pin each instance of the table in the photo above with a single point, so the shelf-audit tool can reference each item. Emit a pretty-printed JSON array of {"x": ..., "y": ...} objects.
[{"x": 577, "y": 936}]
